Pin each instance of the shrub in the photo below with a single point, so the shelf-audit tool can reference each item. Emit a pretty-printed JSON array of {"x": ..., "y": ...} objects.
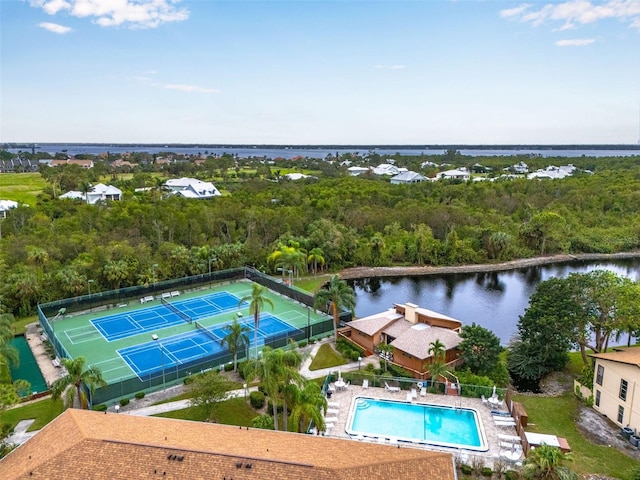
[
  {"x": 486, "y": 472},
  {"x": 257, "y": 399},
  {"x": 124, "y": 402},
  {"x": 370, "y": 368},
  {"x": 466, "y": 469},
  {"x": 399, "y": 371},
  {"x": 188, "y": 380},
  {"x": 511, "y": 475},
  {"x": 302, "y": 344},
  {"x": 228, "y": 367},
  {"x": 101, "y": 407},
  {"x": 139, "y": 395}
]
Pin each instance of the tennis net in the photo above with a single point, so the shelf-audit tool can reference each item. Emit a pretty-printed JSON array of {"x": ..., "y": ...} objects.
[
  {"x": 181, "y": 314},
  {"x": 209, "y": 334}
]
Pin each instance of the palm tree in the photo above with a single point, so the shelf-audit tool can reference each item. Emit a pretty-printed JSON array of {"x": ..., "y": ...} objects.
[
  {"x": 316, "y": 257},
  {"x": 267, "y": 368},
  {"x": 385, "y": 350},
  {"x": 310, "y": 405},
  {"x": 257, "y": 301},
  {"x": 236, "y": 340},
  {"x": 437, "y": 367},
  {"x": 288, "y": 258},
  {"x": 546, "y": 462},
  {"x": 289, "y": 378},
  {"x": 338, "y": 295},
  {"x": 72, "y": 382},
  {"x": 8, "y": 352}
]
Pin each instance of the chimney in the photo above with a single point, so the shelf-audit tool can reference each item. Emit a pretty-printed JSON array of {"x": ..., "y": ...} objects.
[{"x": 410, "y": 312}]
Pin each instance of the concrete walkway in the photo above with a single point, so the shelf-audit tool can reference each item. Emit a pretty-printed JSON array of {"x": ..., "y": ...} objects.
[{"x": 323, "y": 372}]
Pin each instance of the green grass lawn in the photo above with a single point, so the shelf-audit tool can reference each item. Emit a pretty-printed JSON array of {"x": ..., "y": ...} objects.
[
  {"x": 235, "y": 411},
  {"x": 327, "y": 357},
  {"x": 311, "y": 283},
  {"x": 42, "y": 411},
  {"x": 21, "y": 187},
  {"x": 19, "y": 325},
  {"x": 556, "y": 416}
]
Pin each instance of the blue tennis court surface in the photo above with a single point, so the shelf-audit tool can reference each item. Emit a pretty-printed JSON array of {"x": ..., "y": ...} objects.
[
  {"x": 148, "y": 358},
  {"x": 122, "y": 325}
]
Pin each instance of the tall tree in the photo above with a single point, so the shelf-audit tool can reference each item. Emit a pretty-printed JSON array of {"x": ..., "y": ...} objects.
[
  {"x": 8, "y": 352},
  {"x": 337, "y": 295},
  {"x": 257, "y": 301},
  {"x": 208, "y": 390},
  {"x": 77, "y": 375},
  {"x": 236, "y": 340},
  {"x": 310, "y": 405},
  {"x": 480, "y": 349},
  {"x": 316, "y": 258},
  {"x": 267, "y": 368}
]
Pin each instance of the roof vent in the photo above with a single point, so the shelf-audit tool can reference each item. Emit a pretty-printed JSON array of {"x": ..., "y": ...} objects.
[
  {"x": 238, "y": 464},
  {"x": 248, "y": 465}
]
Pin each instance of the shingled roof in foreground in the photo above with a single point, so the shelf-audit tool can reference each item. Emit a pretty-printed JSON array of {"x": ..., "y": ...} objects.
[{"x": 85, "y": 444}]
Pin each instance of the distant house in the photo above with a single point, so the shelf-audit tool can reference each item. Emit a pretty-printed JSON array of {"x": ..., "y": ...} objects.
[
  {"x": 86, "y": 164},
  {"x": 407, "y": 177},
  {"x": 355, "y": 171},
  {"x": 5, "y": 206},
  {"x": 18, "y": 165},
  {"x": 105, "y": 446},
  {"x": 616, "y": 386},
  {"x": 455, "y": 174},
  {"x": 552, "y": 172},
  {"x": 123, "y": 164},
  {"x": 192, "y": 188},
  {"x": 97, "y": 193},
  {"x": 410, "y": 330},
  {"x": 297, "y": 176},
  {"x": 520, "y": 167},
  {"x": 428, "y": 164},
  {"x": 386, "y": 169}
]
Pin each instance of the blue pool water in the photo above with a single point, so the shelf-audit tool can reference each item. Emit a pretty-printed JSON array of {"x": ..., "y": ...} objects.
[{"x": 417, "y": 423}]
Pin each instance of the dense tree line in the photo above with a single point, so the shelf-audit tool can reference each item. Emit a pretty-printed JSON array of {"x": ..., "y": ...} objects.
[{"x": 52, "y": 250}]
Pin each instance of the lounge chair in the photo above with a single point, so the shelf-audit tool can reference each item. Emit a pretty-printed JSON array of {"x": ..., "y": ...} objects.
[
  {"x": 414, "y": 393},
  {"x": 423, "y": 392},
  {"x": 391, "y": 389},
  {"x": 484, "y": 400},
  {"x": 365, "y": 383}
]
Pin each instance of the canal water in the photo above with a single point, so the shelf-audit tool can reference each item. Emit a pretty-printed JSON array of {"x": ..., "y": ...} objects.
[{"x": 494, "y": 300}]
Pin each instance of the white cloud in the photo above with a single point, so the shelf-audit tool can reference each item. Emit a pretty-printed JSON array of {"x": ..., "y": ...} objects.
[
  {"x": 575, "y": 42},
  {"x": 576, "y": 12},
  {"x": 114, "y": 13},
  {"x": 390, "y": 67},
  {"x": 55, "y": 28},
  {"x": 185, "y": 88},
  {"x": 514, "y": 12}
]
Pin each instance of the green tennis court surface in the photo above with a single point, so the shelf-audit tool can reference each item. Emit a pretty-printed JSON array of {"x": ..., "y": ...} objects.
[{"x": 121, "y": 340}]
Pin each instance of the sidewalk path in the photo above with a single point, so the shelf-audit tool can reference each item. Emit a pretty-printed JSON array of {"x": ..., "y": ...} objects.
[{"x": 323, "y": 372}]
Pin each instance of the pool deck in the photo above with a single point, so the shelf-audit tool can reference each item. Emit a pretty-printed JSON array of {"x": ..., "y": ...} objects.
[{"x": 341, "y": 401}]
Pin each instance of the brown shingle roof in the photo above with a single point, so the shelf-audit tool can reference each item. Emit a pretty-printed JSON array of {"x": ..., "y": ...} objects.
[
  {"x": 85, "y": 444},
  {"x": 374, "y": 323},
  {"x": 416, "y": 340}
]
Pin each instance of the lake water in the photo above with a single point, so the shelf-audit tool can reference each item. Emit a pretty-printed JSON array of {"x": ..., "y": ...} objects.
[
  {"x": 494, "y": 300},
  {"x": 311, "y": 152}
]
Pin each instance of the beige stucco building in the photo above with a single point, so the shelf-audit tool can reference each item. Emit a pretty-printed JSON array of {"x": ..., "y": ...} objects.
[{"x": 616, "y": 386}]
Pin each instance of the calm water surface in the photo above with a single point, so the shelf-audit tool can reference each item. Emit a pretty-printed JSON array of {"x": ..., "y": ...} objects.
[{"x": 494, "y": 300}]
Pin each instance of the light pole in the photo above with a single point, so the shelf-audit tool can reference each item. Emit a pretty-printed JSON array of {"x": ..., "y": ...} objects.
[
  {"x": 359, "y": 360},
  {"x": 211, "y": 259},
  {"x": 153, "y": 275},
  {"x": 245, "y": 390},
  {"x": 308, "y": 325},
  {"x": 89, "y": 282},
  {"x": 53, "y": 327},
  {"x": 155, "y": 338}
]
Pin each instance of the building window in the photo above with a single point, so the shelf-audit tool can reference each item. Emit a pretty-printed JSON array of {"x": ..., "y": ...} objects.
[
  {"x": 600, "y": 375},
  {"x": 620, "y": 413},
  {"x": 623, "y": 389},
  {"x": 597, "y": 398}
]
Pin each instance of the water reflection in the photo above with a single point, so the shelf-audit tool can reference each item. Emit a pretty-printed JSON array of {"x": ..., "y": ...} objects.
[{"x": 494, "y": 300}]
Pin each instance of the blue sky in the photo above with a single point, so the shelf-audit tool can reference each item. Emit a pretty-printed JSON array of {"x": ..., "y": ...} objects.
[{"x": 317, "y": 72}]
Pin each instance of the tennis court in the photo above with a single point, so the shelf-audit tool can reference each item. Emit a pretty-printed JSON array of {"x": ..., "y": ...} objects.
[
  {"x": 118, "y": 338},
  {"x": 152, "y": 357}
]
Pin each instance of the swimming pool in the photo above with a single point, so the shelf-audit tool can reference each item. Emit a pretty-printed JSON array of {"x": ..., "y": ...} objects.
[{"x": 417, "y": 423}]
